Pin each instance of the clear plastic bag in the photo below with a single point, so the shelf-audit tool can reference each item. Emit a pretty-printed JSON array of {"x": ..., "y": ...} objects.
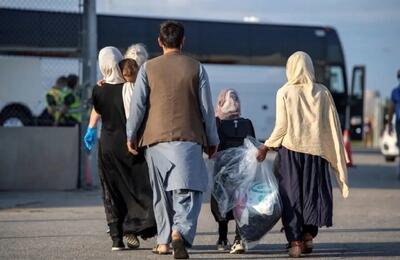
[{"x": 249, "y": 188}]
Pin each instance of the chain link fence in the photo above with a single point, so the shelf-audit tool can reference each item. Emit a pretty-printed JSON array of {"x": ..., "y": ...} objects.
[{"x": 40, "y": 62}]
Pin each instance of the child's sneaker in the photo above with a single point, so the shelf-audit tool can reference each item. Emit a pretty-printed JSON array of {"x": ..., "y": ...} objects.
[
  {"x": 237, "y": 247},
  {"x": 222, "y": 245}
]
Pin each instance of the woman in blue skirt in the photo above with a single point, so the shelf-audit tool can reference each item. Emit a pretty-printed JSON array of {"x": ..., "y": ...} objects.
[{"x": 309, "y": 137}]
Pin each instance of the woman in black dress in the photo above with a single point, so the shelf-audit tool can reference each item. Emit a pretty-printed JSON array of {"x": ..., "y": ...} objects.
[{"x": 124, "y": 177}]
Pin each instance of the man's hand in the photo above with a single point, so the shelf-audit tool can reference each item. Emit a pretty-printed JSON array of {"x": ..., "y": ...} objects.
[
  {"x": 132, "y": 148},
  {"x": 262, "y": 153},
  {"x": 211, "y": 150}
]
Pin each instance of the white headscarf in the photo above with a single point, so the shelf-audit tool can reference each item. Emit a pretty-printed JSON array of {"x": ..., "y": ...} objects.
[
  {"x": 228, "y": 105},
  {"x": 300, "y": 69},
  {"x": 109, "y": 57},
  {"x": 307, "y": 120},
  {"x": 138, "y": 53}
]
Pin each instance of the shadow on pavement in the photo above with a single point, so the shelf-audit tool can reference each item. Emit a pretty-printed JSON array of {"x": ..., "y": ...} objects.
[
  {"x": 322, "y": 230},
  {"x": 321, "y": 250},
  {"x": 376, "y": 177}
]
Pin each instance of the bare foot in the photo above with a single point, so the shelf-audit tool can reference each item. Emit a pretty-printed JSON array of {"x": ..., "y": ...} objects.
[
  {"x": 161, "y": 249},
  {"x": 176, "y": 235}
]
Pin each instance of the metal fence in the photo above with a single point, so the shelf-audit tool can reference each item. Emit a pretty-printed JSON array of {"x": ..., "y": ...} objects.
[
  {"x": 39, "y": 49},
  {"x": 43, "y": 50}
]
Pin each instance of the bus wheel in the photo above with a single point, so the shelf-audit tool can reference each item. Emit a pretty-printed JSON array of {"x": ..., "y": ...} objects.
[
  {"x": 390, "y": 158},
  {"x": 15, "y": 116}
]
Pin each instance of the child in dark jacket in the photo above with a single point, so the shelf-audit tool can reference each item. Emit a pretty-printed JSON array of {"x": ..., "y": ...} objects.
[{"x": 232, "y": 130}]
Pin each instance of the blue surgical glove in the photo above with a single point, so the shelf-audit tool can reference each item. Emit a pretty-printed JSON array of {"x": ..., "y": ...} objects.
[{"x": 90, "y": 138}]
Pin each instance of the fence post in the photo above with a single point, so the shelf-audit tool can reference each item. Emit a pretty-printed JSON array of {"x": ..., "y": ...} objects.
[{"x": 89, "y": 72}]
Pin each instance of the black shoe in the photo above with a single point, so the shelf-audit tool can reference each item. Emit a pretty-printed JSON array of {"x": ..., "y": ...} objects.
[
  {"x": 180, "y": 251},
  {"x": 118, "y": 245}
]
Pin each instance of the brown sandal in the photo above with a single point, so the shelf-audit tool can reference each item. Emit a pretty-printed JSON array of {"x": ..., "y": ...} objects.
[
  {"x": 157, "y": 252},
  {"x": 295, "y": 248},
  {"x": 307, "y": 244}
]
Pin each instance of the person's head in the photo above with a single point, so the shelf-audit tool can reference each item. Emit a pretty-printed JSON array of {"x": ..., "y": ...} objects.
[
  {"x": 228, "y": 105},
  {"x": 72, "y": 81},
  {"x": 129, "y": 69},
  {"x": 138, "y": 53},
  {"x": 109, "y": 57},
  {"x": 61, "y": 82},
  {"x": 172, "y": 35},
  {"x": 300, "y": 69}
]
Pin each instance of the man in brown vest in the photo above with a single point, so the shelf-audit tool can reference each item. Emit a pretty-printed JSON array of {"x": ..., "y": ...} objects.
[{"x": 172, "y": 117}]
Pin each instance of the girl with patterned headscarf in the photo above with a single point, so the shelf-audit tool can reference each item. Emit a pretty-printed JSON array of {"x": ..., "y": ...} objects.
[{"x": 232, "y": 130}]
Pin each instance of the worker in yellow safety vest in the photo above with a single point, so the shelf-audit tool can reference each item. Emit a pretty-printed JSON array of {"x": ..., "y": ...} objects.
[
  {"x": 71, "y": 100},
  {"x": 63, "y": 104}
]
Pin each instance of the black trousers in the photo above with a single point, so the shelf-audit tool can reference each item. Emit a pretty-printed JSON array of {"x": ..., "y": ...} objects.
[{"x": 223, "y": 231}]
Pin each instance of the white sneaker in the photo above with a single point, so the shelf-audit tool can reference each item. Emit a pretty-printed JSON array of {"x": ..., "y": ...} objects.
[
  {"x": 237, "y": 248},
  {"x": 222, "y": 245}
]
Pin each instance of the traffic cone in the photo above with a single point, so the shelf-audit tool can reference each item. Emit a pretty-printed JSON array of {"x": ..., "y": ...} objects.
[{"x": 347, "y": 147}]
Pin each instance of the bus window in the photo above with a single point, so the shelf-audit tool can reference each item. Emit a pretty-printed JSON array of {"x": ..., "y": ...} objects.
[
  {"x": 336, "y": 84},
  {"x": 256, "y": 86},
  {"x": 336, "y": 80},
  {"x": 357, "y": 87}
]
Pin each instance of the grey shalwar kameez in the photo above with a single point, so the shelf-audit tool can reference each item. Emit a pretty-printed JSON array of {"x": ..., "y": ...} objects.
[{"x": 178, "y": 174}]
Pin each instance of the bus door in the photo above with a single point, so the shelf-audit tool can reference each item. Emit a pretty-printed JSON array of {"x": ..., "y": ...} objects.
[{"x": 357, "y": 102}]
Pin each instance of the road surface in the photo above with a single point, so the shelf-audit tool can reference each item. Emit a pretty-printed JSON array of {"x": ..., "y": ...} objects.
[{"x": 71, "y": 225}]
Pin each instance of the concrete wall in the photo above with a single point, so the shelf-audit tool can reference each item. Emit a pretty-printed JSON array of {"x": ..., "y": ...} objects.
[{"x": 39, "y": 158}]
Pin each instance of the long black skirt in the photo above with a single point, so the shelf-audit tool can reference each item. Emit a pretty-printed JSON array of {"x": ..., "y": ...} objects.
[
  {"x": 127, "y": 194},
  {"x": 306, "y": 192}
]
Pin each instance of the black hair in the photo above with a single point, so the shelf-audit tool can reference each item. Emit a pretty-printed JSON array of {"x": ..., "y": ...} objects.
[
  {"x": 72, "y": 81},
  {"x": 62, "y": 81},
  {"x": 171, "y": 34}
]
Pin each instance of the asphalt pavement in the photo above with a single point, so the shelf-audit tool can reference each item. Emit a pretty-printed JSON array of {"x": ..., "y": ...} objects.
[{"x": 71, "y": 224}]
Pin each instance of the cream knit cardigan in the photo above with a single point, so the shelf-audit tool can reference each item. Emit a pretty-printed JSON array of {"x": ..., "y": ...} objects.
[{"x": 307, "y": 120}]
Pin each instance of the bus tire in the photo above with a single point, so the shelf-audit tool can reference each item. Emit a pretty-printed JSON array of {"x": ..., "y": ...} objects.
[
  {"x": 390, "y": 158},
  {"x": 16, "y": 115}
]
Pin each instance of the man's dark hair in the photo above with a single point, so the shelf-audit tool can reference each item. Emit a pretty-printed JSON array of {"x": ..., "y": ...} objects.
[
  {"x": 398, "y": 74},
  {"x": 62, "y": 81},
  {"x": 171, "y": 34},
  {"x": 72, "y": 81}
]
